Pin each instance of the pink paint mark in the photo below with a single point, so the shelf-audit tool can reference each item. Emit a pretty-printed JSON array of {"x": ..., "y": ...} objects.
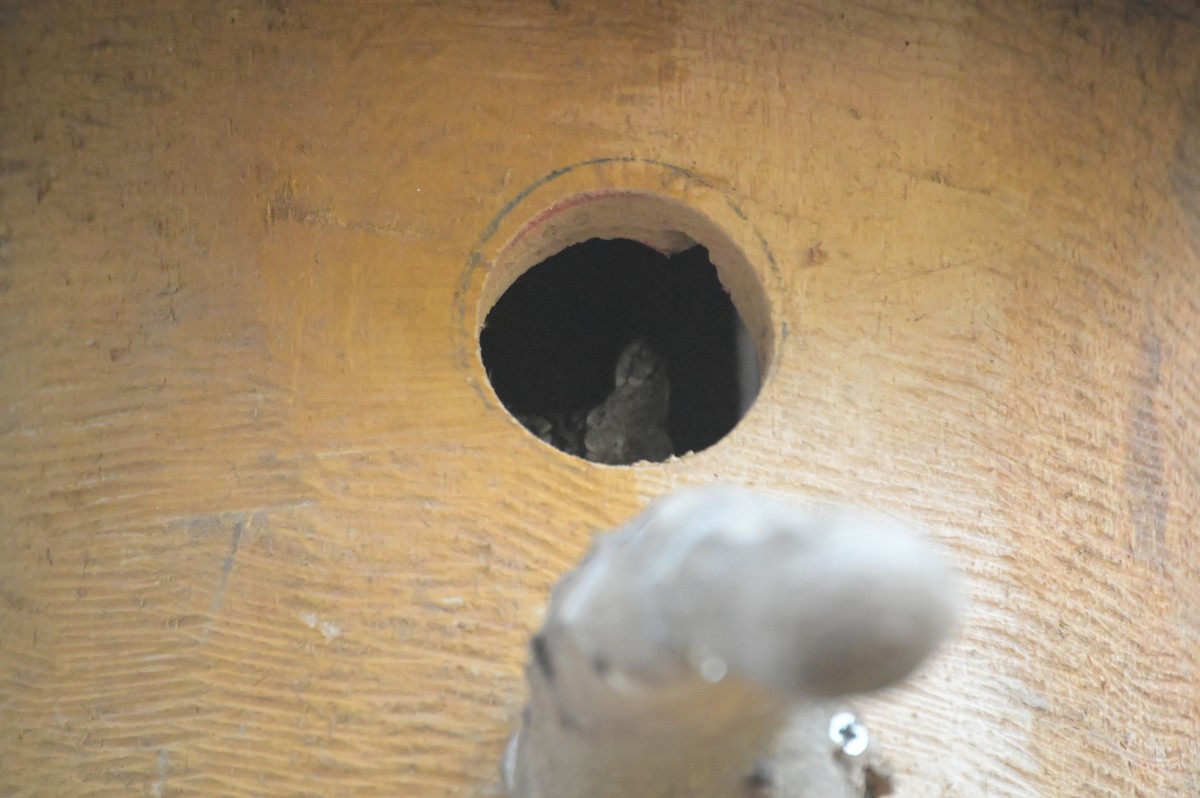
[{"x": 567, "y": 204}]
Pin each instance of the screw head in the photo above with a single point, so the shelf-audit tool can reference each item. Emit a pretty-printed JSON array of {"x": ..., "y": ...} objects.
[{"x": 848, "y": 734}]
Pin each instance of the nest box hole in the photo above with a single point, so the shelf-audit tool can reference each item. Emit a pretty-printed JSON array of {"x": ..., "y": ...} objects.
[{"x": 616, "y": 353}]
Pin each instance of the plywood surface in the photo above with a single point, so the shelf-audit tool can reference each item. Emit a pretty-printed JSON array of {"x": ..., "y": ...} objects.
[{"x": 265, "y": 529}]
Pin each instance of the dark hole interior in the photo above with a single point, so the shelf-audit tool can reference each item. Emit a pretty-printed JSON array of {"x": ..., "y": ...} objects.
[{"x": 552, "y": 341}]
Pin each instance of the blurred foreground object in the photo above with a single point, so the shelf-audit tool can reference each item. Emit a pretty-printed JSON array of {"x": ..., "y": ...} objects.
[{"x": 673, "y": 657}]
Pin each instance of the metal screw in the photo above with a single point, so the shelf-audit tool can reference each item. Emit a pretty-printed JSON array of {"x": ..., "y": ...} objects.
[{"x": 848, "y": 734}]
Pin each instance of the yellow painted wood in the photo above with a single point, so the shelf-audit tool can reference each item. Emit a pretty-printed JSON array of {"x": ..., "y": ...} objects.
[{"x": 267, "y": 530}]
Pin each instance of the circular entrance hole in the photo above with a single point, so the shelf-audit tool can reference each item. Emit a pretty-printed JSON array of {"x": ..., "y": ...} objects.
[
  {"x": 616, "y": 353},
  {"x": 610, "y": 333}
]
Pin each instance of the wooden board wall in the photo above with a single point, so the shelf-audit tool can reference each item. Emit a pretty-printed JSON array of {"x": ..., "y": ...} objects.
[{"x": 265, "y": 529}]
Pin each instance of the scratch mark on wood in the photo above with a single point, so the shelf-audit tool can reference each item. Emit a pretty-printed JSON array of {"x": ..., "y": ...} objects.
[
  {"x": 970, "y": 263},
  {"x": 1144, "y": 468},
  {"x": 160, "y": 784},
  {"x": 223, "y": 579}
]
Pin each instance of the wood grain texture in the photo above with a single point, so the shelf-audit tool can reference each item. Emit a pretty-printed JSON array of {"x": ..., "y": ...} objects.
[{"x": 267, "y": 533}]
